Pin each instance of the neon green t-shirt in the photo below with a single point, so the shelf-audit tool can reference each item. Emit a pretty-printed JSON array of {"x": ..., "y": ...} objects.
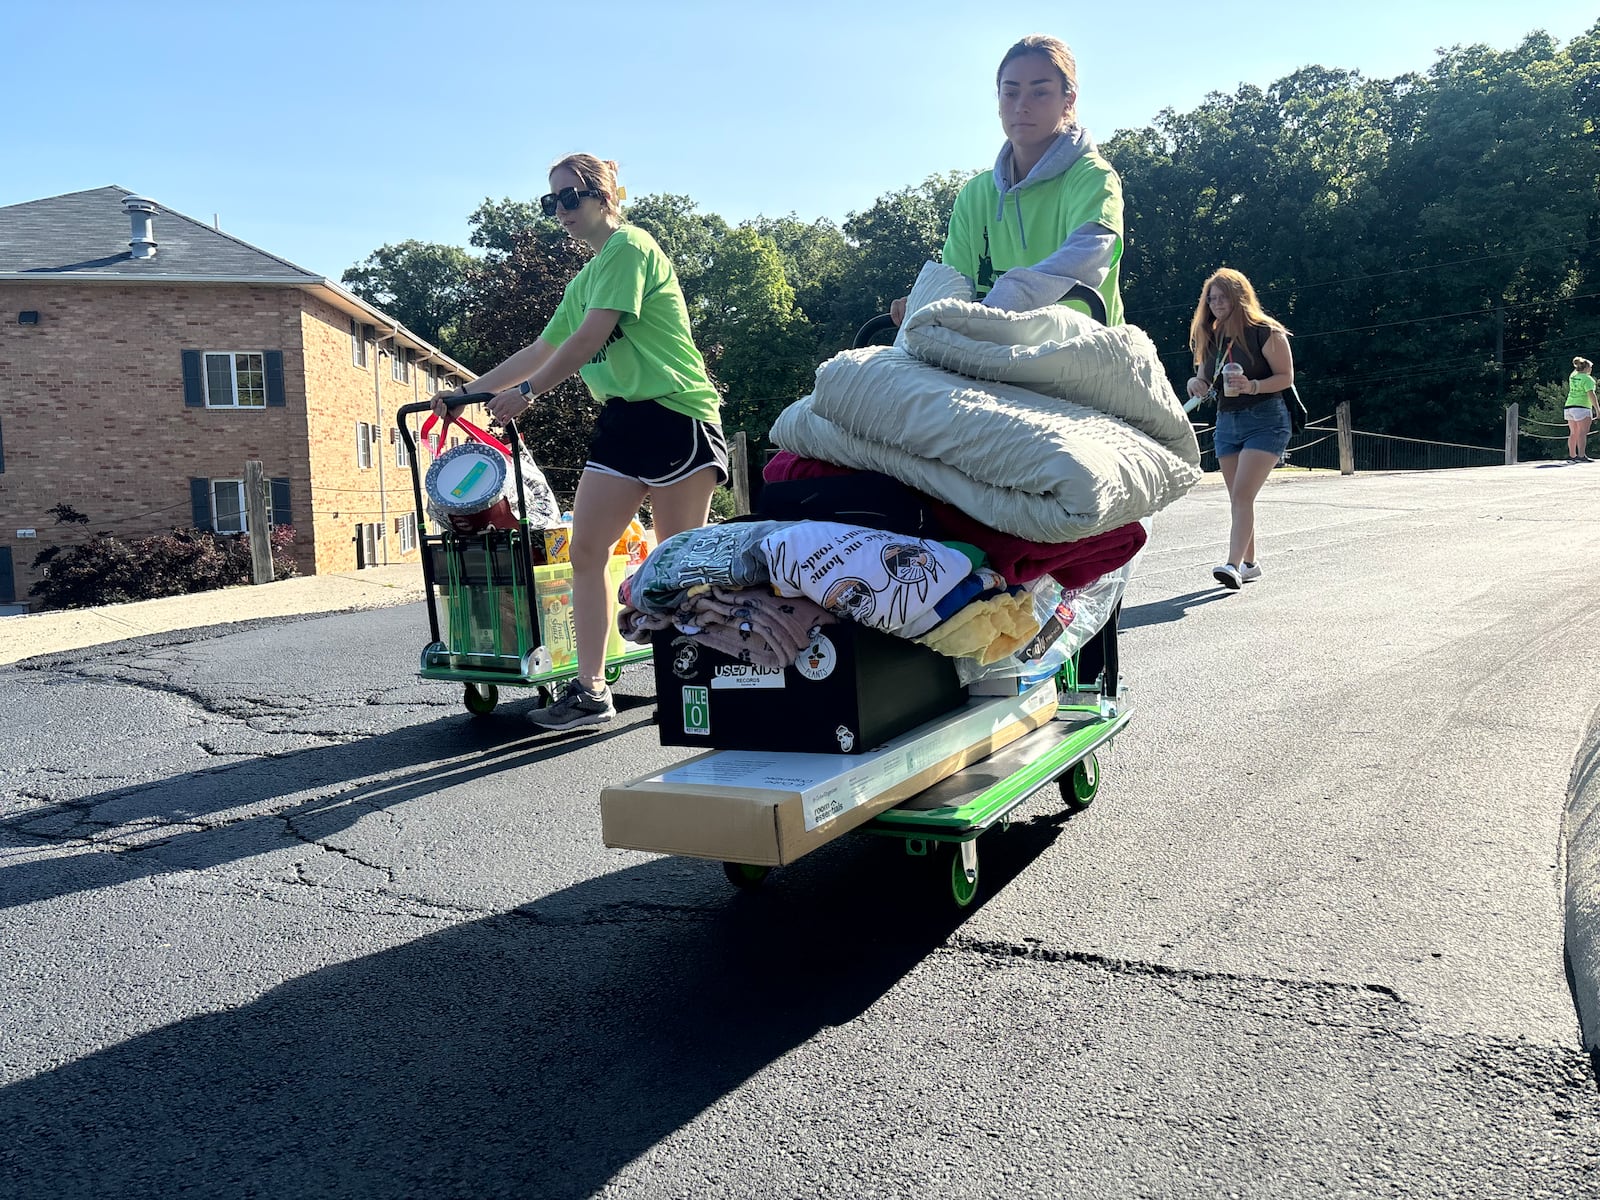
[
  {"x": 1088, "y": 192},
  {"x": 651, "y": 354},
  {"x": 1580, "y": 390}
]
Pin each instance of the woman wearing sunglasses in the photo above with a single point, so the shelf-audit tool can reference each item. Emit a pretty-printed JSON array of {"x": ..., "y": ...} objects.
[{"x": 621, "y": 325}]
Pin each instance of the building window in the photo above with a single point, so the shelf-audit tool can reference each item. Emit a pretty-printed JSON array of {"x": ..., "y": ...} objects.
[
  {"x": 363, "y": 444},
  {"x": 401, "y": 458},
  {"x": 433, "y": 381},
  {"x": 235, "y": 380},
  {"x": 369, "y": 543},
  {"x": 400, "y": 366},
  {"x": 406, "y": 527},
  {"x": 228, "y": 512},
  {"x": 358, "y": 344}
]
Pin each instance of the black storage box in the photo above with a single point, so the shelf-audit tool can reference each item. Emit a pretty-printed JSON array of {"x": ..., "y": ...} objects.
[{"x": 851, "y": 690}]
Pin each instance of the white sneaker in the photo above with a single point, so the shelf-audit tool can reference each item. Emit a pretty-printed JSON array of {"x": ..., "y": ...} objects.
[
  {"x": 1227, "y": 575},
  {"x": 1249, "y": 571}
]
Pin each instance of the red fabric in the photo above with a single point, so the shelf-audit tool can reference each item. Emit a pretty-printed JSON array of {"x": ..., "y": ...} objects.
[
  {"x": 1072, "y": 564},
  {"x": 488, "y": 439}
]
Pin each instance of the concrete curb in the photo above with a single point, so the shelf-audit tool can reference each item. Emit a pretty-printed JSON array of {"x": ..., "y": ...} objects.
[
  {"x": 72, "y": 629},
  {"x": 1581, "y": 842}
]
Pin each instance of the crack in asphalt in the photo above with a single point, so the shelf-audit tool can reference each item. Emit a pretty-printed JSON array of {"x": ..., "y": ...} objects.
[{"x": 1164, "y": 972}]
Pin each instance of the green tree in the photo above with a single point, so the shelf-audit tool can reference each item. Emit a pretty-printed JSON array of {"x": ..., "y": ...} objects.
[
  {"x": 423, "y": 285},
  {"x": 688, "y": 237},
  {"x": 760, "y": 345}
]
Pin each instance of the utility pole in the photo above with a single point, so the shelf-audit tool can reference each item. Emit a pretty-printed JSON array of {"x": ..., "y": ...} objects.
[{"x": 255, "y": 519}]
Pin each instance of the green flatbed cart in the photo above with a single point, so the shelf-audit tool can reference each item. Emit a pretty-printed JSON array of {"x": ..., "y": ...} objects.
[
  {"x": 483, "y": 617},
  {"x": 1090, "y": 712}
]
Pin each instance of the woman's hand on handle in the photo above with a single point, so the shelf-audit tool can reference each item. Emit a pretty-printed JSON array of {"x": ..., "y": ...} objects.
[
  {"x": 1197, "y": 387},
  {"x": 509, "y": 405},
  {"x": 442, "y": 406}
]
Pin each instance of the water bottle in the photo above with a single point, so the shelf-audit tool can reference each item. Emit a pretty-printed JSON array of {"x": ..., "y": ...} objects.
[{"x": 1232, "y": 379}]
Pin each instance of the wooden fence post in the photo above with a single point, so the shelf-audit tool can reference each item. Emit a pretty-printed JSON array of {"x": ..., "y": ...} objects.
[
  {"x": 739, "y": 469},
  {"x": 1512, "y": 421},
  {"x": 1347, "y": 449},
  {"x": 255, "y": 520}
]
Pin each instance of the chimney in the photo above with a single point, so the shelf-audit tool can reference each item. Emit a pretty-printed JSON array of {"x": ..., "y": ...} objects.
[{"x": 141, "y": 213}]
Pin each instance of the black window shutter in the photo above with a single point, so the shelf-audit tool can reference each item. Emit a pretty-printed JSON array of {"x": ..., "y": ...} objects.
[
  {"x": 194, "y": 391},
  {"x": 280, "y": 502},
  {"x": 274, "y": 378},
  {"x": 8, "y": 578},
  {"x": 2, "y": 453},
  {"x": 200, "y": 501}
]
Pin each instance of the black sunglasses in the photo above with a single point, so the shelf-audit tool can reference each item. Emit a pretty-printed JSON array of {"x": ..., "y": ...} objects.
[{"x": 568, "y": 198}]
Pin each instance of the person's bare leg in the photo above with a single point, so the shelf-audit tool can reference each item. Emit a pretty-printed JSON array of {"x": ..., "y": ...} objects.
[
  {"x": 682, "y": 505},
  {"x": 600, "y": 515},
  {"x": 1230, "y": 471},
  {"x": 1572, "y": 439},
  {"x": 1250, "y": 473}
]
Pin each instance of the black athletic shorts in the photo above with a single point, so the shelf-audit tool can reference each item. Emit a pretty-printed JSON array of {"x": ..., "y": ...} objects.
[{"x": 644, "y": 440}]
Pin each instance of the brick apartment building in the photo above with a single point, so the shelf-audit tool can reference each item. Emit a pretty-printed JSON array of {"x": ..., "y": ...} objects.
[{"x": 145, "y": 356}]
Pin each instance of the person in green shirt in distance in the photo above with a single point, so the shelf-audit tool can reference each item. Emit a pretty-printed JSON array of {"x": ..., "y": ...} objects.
[
  {"x": 622, "y": 325},
  {"x": 1580, "y": 409},
  {"x": 1045, "y": 225}
]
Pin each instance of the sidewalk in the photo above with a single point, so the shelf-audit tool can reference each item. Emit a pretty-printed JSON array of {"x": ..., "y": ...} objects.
[{"x": 71, "y": 629}]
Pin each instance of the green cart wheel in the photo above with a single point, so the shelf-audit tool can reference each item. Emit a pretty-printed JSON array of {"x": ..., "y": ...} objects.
[
  {"x": 613, "y": 674},
  {"x": 963, "y": 878},
  {"x": 744, "y": 875},
  {"x": 1080, "y": 785},
  {"x": 480, "y": 698},
  {"x": 546, "y": 696}
]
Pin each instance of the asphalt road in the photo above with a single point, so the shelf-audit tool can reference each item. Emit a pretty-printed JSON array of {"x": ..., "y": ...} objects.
[{"x": 278, "y": 919}]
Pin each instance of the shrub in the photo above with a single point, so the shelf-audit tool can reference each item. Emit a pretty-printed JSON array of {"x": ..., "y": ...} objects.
[{"x": 105, "y": 570}]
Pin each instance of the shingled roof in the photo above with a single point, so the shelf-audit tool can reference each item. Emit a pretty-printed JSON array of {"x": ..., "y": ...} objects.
[{"x": 87, "y": 233}]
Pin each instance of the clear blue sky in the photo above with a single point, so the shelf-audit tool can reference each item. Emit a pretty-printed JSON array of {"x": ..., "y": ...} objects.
[{"x": 320, "y": 131}]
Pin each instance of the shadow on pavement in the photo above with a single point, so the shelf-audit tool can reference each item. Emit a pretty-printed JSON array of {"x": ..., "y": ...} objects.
[
  {"x": 1174, "y": 609},
  {"x": 533, "y": 1053},
  {"x": 391, "y": 768}
]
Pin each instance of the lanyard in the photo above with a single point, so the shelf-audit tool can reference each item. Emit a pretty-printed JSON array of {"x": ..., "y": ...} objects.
[{"x": 1224, "y": 355}]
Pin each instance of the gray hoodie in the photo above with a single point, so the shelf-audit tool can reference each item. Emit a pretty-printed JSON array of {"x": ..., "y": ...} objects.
[{"x": 1085, "y": 257}]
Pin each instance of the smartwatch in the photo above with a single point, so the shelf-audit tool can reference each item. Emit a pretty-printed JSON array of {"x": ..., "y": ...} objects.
[{"x": 526, "y": 390}]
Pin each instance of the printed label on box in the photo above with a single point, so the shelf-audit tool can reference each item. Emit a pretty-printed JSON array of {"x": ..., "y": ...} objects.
[
  {"x": 742, "y": 676},
  {"x": 818, "y": 659},
  {"x": 697, "y": 710}
]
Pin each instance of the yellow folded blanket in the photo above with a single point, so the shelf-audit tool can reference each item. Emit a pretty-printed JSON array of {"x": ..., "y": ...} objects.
[{"x": 986, "y": 630}]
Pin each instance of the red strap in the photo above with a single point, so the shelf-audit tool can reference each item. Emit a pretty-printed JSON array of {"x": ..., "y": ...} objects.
[{"x": 488, "y": 439}]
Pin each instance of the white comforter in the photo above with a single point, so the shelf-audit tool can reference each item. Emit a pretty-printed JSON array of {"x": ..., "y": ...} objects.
[{"x": 1044, "y": 425}]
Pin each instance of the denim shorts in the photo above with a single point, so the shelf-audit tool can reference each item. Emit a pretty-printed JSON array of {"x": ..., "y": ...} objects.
[{"x": 1263, "y": 426}]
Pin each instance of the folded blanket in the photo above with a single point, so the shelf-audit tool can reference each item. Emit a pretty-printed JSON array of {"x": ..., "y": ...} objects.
[
  {"x": 1071, "y": 564},
  {"x": 1051, "y": 351},
  {"x": 751, "y": 625},
  {"x": 889, "y": 581},
  {"x": 988, "y": 629},
  {"x": 727, "y": 555},
  {"x": 1033, "y": 466}
]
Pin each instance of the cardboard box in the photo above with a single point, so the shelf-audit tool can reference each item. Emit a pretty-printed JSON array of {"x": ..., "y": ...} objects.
[
  {"x": 850, "y": 691},
  {"x": 768, "y": 809},
  {"x": 1010, "y": 685}
]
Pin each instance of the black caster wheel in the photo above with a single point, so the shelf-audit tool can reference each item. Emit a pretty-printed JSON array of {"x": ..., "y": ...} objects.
[
  {"x": 744, "y": 875},
  {"x": 546, "y": 695},
  {"x": 480, "y": 698},
  {"x": 1080, "y": 785}
]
